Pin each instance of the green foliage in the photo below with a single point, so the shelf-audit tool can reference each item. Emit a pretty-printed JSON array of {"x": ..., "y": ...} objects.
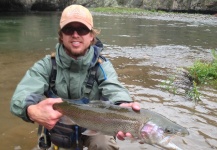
[
  {"x": 122, "y": 10},
  {"x": 168, "y": 84},
  {"x": 194, "y": 93},
  {"x": 200, "y": 73},
  {"x": 205, "y": 72}
]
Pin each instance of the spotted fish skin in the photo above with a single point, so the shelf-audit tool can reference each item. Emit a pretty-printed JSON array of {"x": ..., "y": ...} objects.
[{"x": 148, "y": 126}]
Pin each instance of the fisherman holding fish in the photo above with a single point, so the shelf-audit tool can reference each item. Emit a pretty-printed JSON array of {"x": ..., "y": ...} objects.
[{"x": 76, "y": 71}]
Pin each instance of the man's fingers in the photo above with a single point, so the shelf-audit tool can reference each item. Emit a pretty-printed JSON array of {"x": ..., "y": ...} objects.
[
  {"x": 120, "y": 135},
  {"x": 126, "y": 104},
  {"x": 129, "y": 135},
  {"x": 135, "y": 106}
]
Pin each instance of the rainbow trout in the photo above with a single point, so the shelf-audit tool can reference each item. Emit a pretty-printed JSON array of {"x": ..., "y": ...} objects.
[{"x": 147, "y": 126}]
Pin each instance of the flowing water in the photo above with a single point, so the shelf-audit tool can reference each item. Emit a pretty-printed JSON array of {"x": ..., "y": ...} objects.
[{"x": 145, "y": 50}]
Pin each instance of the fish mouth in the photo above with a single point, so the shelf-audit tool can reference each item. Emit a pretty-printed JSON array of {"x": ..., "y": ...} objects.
[
  {"x": 182, "y": 133},
  {"x": 176, "y": 131}
]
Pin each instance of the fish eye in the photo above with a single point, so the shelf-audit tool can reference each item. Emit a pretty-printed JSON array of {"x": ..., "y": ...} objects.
[{"x": 167, "y": 130}]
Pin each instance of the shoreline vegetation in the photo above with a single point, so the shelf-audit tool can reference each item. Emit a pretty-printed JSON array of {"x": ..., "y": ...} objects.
[
  {"x": 141, "y": 12},
  {"x": 204, "y": 72},
  {"x": 123, "y": 10},
  {"x": 200, "y": 74},
  {"x": 156, "y": 14}
]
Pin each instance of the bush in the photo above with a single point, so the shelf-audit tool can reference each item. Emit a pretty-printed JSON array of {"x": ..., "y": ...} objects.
[{"x": 205, "y": 72}]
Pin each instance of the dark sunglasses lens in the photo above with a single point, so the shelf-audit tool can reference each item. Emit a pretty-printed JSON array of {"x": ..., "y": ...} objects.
[
  {"x": 71, "y": 30},
  {"x": 83, "y": 31},
  {"x": 67, "y": 30}
]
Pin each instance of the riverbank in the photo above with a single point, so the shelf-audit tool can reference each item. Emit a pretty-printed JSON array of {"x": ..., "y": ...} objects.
[
  {"x": 196, "y": 6},
  {"x": 159, "y": 15}
]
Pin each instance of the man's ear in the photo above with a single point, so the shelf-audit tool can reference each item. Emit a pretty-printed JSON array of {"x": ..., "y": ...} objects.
[{"x": 92, "y": 40}]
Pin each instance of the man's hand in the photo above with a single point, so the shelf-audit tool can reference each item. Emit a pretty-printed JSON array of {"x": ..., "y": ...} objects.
[
  {"x": 135, "y": 106},
  {"x": 43, "y": 112}
]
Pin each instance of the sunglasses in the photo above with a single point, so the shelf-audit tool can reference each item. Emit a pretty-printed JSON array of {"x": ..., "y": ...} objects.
[{"x": 69, "y": 30}]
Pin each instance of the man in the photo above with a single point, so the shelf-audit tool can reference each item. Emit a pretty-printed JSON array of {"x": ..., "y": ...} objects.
[{"x": 76, "y": 56}]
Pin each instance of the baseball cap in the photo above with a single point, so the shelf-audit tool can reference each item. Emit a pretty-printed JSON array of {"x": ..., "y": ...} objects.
[{"x": 76, "y": 13}]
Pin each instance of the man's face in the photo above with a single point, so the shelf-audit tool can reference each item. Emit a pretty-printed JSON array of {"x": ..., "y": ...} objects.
[{"x": 76, "y": 38}]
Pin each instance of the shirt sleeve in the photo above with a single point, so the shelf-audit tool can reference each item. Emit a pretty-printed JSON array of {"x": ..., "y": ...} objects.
[{"x": 31, "y": 88}]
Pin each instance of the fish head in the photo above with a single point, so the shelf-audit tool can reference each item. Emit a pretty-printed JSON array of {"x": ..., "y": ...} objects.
[
  {"x": 153, "y": 133},
  {"x": 175, "y": 130},
  {"x": 170, "y": 128},
  {"x": 164, "y": 124}
]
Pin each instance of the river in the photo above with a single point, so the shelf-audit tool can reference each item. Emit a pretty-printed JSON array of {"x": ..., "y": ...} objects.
[{"x": 145, "y": 51}]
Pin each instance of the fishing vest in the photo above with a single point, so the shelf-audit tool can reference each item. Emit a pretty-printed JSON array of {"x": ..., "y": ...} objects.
[
  {"x": 62, "y": 135},
  {"x": 92, "y": 77}
]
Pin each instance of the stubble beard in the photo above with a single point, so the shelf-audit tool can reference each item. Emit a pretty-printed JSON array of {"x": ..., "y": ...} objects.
[{"x": 75, "y": 54}]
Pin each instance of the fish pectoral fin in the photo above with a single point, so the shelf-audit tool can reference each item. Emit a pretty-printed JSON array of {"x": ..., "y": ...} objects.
[
  {"x": 66, "y": 120},
  {"x": 90, "y": 133},
  {"x": 165, "y": 140},
  {"x": 169, "y": 145}
]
